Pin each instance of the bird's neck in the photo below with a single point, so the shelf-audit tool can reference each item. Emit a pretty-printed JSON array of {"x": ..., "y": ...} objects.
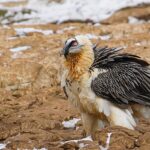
[{"x": 78, "y": 64}]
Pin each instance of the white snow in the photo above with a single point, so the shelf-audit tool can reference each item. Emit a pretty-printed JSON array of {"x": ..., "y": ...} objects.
[
  {"x": 70, "y": 123},
  {"x": 138, "y": 44},
  {"x": 97, "y": 24},
  {"x": 102, "y": 37},
  {"x": 65, "y": 29},
  {"x": 24, "y": 31},
  {"x": 40, "y": 149},
  {"x": 6, "y": 27},
  {"x": 92, "y": 36},
  {"x": 20, "y": 48},
  {"x": 95, "y": 10},
  {"x": 16, "y": 55},
  {"x": 12, "y": 38},
  {"x": 88, "y": 138},
  {"x": 134, "y": 20},
  {"x": 6, "y": 1},
  {"x": 81, "y": 145},
  {"x": 2, "y": 146},
  {"x": 107, "y": 142},
  {"x": 105, "y": 37},
  {"x": 44, "y": 11}
]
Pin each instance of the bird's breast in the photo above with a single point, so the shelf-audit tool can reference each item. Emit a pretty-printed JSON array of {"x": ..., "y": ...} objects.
[{"x": 80, "y": 94}]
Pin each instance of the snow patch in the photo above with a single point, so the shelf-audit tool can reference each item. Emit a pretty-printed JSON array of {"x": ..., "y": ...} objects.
[
  {"x": 12, "y": 38},
  {"x": 97, "y": 24},
  {"x": 107, "y": 142},
  {"x": 102, "y": 37},
  {"x": 2, "y": 146},
  {"x": 16, "y": 55},
  {"x": 105, "y": 37},
  {"x": 92, "y": 36},
  {"x": 88, "y": 138},
  {"x": 70, "y": 123},
  {"x": 81, "y": 145},
  {"x": 138, "y": 44},
  {"x": 6, "y": 1},
  {"x": 134, "y": 20},
  {"x": 6, "y": 27},
  {"x": 24, "y": 31},
  {"x": 61, "y": 31},
  {"x": 40, "y": 149},
  {"x": 21, "y": 48},
  {"x": 95, "y": 10},
  {"x": 43, "y": 11}
]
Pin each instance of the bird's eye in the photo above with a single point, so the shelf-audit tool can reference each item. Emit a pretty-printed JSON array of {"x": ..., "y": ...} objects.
[{"x": 74, "y": 43}]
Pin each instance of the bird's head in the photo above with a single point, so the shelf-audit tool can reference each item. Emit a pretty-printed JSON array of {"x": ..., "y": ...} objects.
[
  {"x": 79, "y": 55},
  {"x": 76, "y": 45}
]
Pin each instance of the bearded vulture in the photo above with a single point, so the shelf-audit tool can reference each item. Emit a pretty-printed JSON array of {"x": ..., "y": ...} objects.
[{"x": 108, "y": 87}]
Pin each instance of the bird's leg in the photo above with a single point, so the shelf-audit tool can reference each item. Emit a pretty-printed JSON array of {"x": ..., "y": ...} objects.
[
  {"x": 121, "y": 117},
  {"x": 90, "y": 122}
]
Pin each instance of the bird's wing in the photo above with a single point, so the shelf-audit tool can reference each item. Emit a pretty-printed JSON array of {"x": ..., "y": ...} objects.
[
  {"x": 127, "y": 79},
  {"x": 123, "y": 84},
  {"x": 106, "y": 57}
]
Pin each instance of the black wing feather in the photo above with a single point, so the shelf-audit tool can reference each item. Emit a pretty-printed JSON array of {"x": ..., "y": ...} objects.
[{"x": 127, "y": 79}]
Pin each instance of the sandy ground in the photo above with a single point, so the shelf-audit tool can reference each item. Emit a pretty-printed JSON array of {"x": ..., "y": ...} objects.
[{"x": 33, "y": 105}]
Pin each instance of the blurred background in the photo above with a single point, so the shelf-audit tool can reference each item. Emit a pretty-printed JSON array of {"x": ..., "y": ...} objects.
[
  {"x": 58, "y": 11},
  {"x": 34, "y": 113}
]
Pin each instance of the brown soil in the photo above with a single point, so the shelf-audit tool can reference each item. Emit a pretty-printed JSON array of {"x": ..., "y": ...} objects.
[{"x": 33, "y": 105}]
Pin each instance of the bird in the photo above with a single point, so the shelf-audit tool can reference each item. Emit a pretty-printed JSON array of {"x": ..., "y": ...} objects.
[{"x": 109, "y": 88}]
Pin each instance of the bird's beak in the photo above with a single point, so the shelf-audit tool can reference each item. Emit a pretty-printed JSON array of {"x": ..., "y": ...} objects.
[{"x": 65, "y": 50}]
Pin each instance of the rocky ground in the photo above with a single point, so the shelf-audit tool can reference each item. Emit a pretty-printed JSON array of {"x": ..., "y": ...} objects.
[{"x": 32, "y": 104}]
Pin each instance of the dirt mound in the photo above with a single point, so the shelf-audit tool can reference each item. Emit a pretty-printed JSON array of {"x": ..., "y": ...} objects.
[
  {"x": 141, "y": 12},
  {"x": 35, "y": 121}
]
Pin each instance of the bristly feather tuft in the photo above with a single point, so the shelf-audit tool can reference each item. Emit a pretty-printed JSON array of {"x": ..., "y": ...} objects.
[
  {"x": 105, "y": 57},
  {"x": 127, "y": 79}
]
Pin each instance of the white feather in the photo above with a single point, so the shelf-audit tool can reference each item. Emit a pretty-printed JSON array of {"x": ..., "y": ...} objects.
[
  {"x": 103, "y": 106},
  {"x": 122, "y": 117}
]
